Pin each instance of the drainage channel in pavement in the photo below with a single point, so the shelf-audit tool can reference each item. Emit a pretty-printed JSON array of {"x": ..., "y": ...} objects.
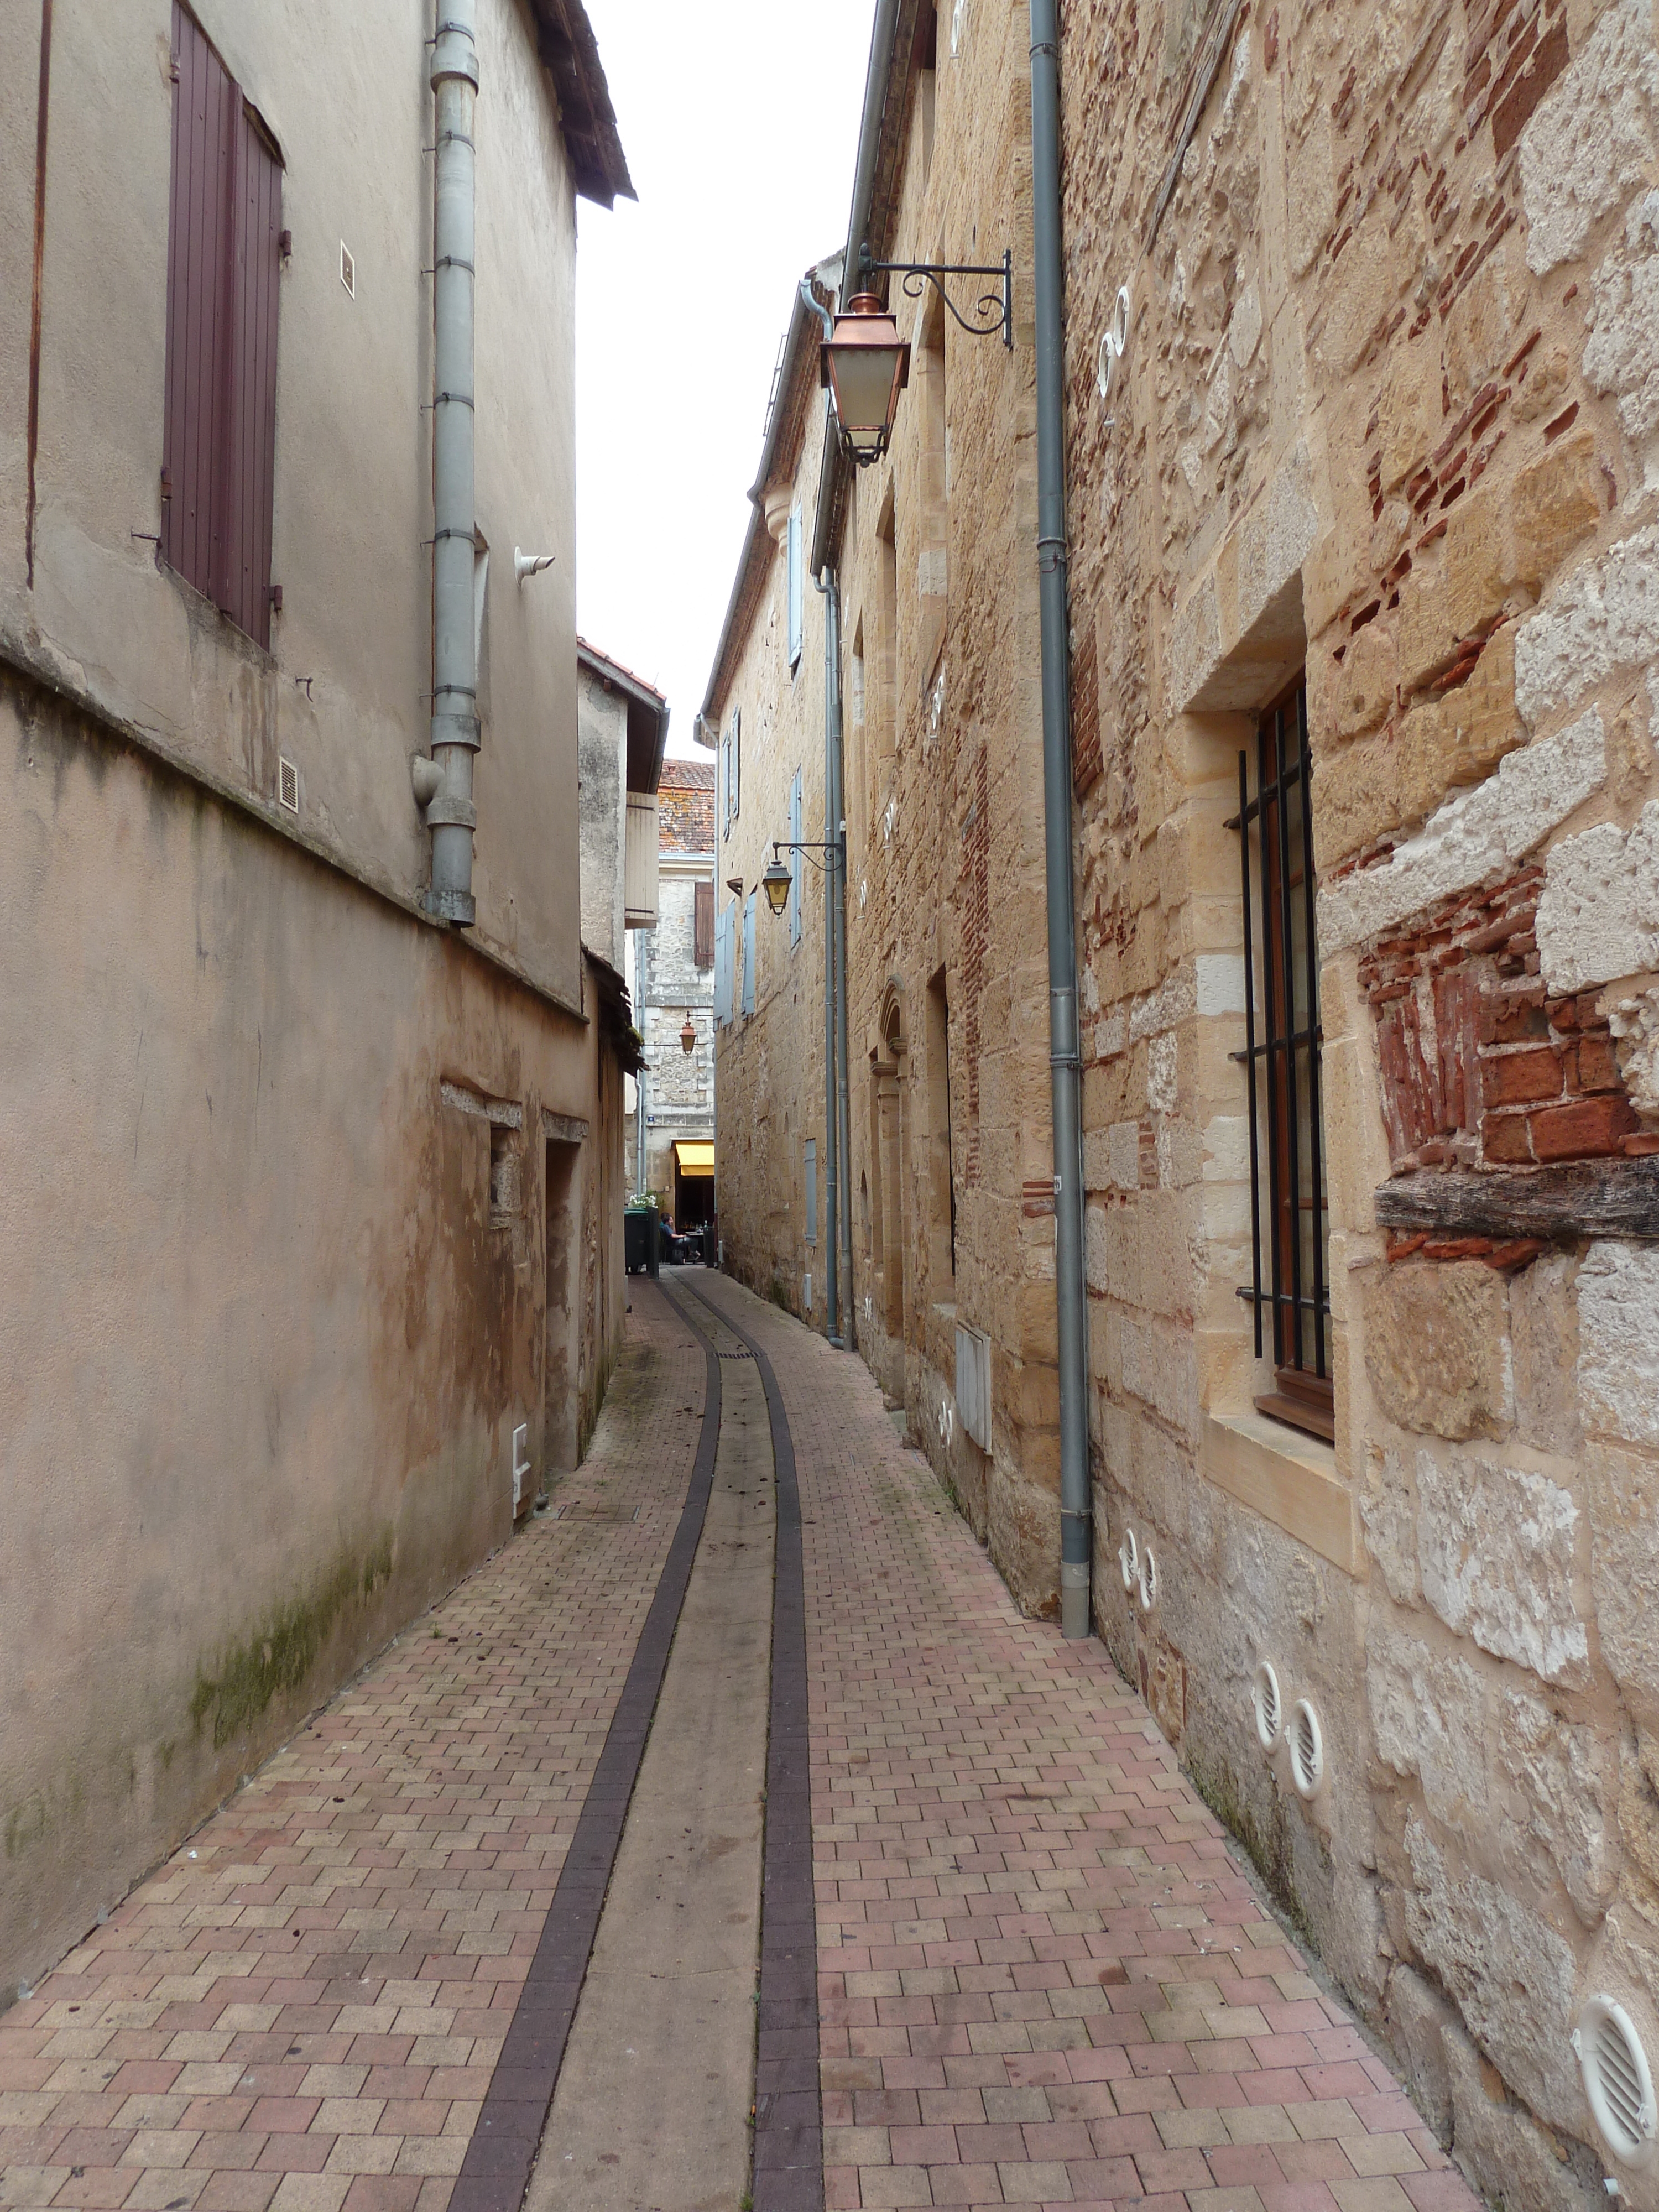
[{"x": 644, "y": 2066}]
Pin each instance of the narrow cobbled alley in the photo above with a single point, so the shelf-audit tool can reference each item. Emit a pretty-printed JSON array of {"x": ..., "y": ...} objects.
[{"x": 488, "y": 1933}]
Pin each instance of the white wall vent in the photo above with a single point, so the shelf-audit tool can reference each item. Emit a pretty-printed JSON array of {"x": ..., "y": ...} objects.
[
  {"x": 1617, "y": 2081},
  {"x": 520, "y": 1463},
  {"x": 974, "y": 1384},
  {"x": 1148, "y": 1579},
  {"x": 348, "y": 270},
  {"x": 1307, "y": 1749},
  {"x": 1269, "y": 1706},
  {"x": 288, "y": 785},
  {"x": 1129, "y": 1558}
]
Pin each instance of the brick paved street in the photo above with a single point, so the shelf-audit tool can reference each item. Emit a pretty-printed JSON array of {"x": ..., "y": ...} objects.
[
  {"x": 303, "y": 2009},
  {"x": 1043, "y": 1979}
]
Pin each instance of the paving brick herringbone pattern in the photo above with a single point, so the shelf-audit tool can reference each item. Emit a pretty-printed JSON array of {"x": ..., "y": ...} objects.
[
  {"x": 301, "y": 2013},
  {"x": 1043, "y": 1979}
]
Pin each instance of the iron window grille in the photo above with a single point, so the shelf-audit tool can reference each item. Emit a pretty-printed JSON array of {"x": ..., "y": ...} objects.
[{"x": 1290, "y": 1221}]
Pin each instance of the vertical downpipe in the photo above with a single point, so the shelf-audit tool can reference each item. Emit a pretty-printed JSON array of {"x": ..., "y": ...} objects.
[
  {"x": 42, "y": 114},
  {"x": 450, "y": 814},
  {"x": 832, "y": 876},
  {"x": 837, "y": 796},
  {"x": 1075, "y": 1501}
]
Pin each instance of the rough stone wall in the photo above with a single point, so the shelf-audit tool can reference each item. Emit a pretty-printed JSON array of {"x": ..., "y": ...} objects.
[
  {"x": 945, "y": 817},
  {"x": 1387, "y": 413},
  {"x": 770, "y": 1065}
]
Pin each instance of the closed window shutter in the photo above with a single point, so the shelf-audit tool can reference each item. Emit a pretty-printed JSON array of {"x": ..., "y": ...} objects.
[
  {"x": 737, "y": 762},
  {"x": 795, "y": 584},
  {"x": 219, "y": 428},
  {"x": 794, "y": 860},
  {"x": 702, "y": 924},
  {"x": 723, "y": 946},
  {"x": 748, "y": 954}
]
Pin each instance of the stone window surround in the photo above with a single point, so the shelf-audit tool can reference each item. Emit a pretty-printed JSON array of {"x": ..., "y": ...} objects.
[{"x": 1292, "y": 1480}]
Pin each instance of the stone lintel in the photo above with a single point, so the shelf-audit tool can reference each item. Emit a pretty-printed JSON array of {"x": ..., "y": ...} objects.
[{"x": 1289, "y": 1479}]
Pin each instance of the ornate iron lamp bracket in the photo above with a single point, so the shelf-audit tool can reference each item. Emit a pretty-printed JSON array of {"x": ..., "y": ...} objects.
[{"x": 993, "y": 311}]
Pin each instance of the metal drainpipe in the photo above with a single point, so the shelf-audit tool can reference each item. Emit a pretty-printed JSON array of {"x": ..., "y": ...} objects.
[
  {"x": 639, "y": 1078},
  {"x": 1076, "y": 1547},
  {"x": 838, "y": 1210},
  {"x": 450, "y": 814}
]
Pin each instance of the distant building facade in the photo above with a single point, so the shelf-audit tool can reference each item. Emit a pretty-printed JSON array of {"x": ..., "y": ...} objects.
[
  {"x": 762, "y": 715},
  {"x": 672, "y": 973}
]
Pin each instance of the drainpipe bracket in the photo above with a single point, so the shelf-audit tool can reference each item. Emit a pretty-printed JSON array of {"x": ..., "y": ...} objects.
[
  {"x": 455, "y": 813},
  {"x": 454, "y": 55},
  {"x": 458, "y": 907}
]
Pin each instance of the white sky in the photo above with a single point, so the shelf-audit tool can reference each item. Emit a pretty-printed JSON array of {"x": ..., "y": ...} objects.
[{"x": 740, "y": 122}]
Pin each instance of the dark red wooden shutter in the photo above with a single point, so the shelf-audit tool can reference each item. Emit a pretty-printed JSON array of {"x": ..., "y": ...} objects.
[
  {"x": 218, "y": 444},
  {"x": 702, "y": 925},
  {"x": 206, "y": 109}
]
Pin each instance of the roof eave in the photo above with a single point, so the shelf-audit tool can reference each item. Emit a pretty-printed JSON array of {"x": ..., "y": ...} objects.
[{"x": 587, "y": 120}]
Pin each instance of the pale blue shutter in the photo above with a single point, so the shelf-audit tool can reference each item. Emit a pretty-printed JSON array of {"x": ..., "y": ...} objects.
[
  {"x": 723, "y": 965},
  {"x": 736, "y": 801},
  {"x": 795, "y": 583},
  {"x": 795, "y": 859},
  {"x": 748, "y": 954}
]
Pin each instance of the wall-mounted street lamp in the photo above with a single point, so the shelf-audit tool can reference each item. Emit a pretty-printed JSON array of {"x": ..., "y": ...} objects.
[
  {"x": 778, "y": 879},
  {"x": 864, "y": 364},
  {"x": 688, "y": 1035}
]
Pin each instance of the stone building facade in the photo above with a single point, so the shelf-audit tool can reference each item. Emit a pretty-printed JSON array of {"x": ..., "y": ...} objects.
[
  {"x": 311, "y": 1207},
  {"x": 763, "y": 717},
  {"x": 1363, "y": 544},
  {"x": 672, "y": 971},
  {"x": 1378, "y": 444}
]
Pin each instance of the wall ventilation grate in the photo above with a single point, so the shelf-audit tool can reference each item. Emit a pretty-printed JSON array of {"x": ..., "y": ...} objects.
[
  {"x": 1129, "y": 1558},
  {"x": 1617, "y": 2081},
  {"x": 288, "y": 786},
  {"x": 1268, "y": 1705},
  {"x": 348, "y": 269},
  {"x": 1148, "y": 1579},
  {"x": 1307, "y": 1750}
]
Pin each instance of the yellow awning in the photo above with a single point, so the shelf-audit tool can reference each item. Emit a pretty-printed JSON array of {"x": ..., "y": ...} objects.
[{"x": 695, "y": 1160}]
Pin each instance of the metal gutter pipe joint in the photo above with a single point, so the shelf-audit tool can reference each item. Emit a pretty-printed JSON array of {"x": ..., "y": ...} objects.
[{"x": 450, "y": 814}]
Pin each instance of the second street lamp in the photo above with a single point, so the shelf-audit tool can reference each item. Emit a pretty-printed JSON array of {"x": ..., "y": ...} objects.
[
  {"x": 778, "y": 879},
  {"x": 777, "y": 883}
]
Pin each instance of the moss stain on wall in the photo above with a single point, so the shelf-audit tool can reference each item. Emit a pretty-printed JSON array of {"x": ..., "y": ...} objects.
[{"x": 276, "y": 1659}]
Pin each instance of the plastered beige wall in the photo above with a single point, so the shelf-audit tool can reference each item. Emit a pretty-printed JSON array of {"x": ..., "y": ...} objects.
[
  {"x": 342, "y": 693},
  {"x": 265, "y": 1338}
]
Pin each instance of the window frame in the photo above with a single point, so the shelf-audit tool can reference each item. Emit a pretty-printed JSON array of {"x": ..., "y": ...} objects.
[{"x": 1285, "y": 1057}]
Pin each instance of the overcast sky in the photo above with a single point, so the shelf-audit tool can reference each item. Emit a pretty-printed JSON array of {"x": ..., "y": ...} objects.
[{"x": 740, "y": 122}]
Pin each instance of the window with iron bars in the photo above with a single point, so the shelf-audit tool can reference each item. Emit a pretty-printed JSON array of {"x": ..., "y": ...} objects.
[{"x": 1289, "y": 1292}]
